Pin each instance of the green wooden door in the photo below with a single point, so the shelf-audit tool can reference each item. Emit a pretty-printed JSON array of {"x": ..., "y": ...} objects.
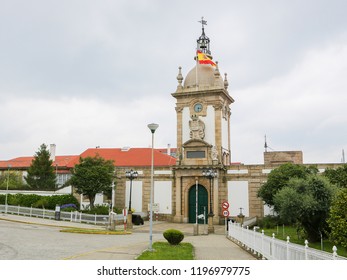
[{"x": 202, "y": 203}]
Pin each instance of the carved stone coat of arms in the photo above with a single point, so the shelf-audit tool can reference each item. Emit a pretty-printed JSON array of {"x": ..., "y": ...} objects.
[{"x": 197, "y": 128}]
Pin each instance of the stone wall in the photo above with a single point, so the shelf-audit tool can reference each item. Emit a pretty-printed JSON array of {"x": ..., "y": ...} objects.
[{"x": 271, "y": 158}]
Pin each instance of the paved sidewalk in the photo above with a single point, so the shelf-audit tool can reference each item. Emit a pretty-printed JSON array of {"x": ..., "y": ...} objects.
[{"x": 207, "y": 247}]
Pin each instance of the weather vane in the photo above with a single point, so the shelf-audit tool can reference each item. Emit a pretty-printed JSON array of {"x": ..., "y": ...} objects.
[{"x": 203, "y": 22}]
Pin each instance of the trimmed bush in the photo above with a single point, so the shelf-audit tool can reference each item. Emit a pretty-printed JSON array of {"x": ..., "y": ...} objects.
[
  {"x": 38, "y": 201},
  {"x": 98, "y": 210},
  {"x": 41, "y": 203},
  {"x": 173, "y": 236}
]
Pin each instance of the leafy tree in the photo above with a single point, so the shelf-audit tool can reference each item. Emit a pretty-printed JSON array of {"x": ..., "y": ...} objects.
[
  {"x": 41, "y": 174},
  {"x": 337, "y": 176},
  {"x": 14, "y": 178},
  {"x": 279, "y": 177},
  {"x": 306, "y": 201},
  {"x": 91, "y": 176},
  {"x": 338, "y": 219}
]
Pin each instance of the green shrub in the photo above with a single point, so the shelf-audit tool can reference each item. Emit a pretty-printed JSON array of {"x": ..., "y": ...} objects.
[
  {"x": 39, "y": 201},
  {"x": 25, "y": 200},
  {"x": 269, "y": 221},
  {"x": 61, "y": 200},
  {"x": 173, "y": 236},
  {"x": 98, "y": 210},
  {"x": 68, "y": 209},
  {"x": 117, "y": 210}
]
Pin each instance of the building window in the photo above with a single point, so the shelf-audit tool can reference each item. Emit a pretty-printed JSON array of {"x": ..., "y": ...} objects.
[
  {"x": 196, "y": 154},
  {"x": 62, "y": 178}
]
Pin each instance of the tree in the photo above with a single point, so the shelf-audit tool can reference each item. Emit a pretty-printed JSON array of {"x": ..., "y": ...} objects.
[
  {"x": 91, "y": 176},
  {"x": 14, "y": 178},
  {"x": 41, "y": 175},
  {"x": 337, "y": 176},
  {"x": 279, "y": 177},
  {"x": 338, "y": 219},
  {"x": 306, "y": 201}
]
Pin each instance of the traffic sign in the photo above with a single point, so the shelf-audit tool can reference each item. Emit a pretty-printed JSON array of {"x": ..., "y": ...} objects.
[
  {"x": 225, "y": 205},
  {"x": 226, "y": 213}
]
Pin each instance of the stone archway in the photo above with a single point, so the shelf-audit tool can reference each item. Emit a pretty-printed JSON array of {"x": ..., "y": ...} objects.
[{"x": 202, "y": 203}]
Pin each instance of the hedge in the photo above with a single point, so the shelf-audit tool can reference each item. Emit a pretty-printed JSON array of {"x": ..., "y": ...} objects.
[{"x": 39, "y": 201}]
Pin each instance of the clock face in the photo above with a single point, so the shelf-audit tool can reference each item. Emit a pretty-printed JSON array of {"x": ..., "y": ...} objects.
[{"x": 197, "y": 107}]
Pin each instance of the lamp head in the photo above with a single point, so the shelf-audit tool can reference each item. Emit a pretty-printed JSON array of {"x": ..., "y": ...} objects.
[{"x": 153, "y": 127}]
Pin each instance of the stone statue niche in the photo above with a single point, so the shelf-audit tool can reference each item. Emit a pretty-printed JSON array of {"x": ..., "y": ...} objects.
[{"x": 197, "y": 128}]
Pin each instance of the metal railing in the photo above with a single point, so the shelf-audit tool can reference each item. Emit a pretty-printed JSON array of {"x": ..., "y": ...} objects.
[
  {"x": 74, "y": 216},
  {"x": 274, "y": 249}
]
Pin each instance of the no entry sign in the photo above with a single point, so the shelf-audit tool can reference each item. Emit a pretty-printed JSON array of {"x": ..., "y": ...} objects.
[{"x": 225, "y": 205}]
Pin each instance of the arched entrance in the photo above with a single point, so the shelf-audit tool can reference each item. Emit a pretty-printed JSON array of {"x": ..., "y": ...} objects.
[{"x": 202, "y": 203}]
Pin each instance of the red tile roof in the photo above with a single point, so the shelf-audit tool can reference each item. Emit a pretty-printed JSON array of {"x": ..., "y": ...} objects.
[
  {"x": 16, "y": 162},
  {"x": 25, "y": 162},
  {"x": 121, "y": 157},
  {"x": 129, "y": 157}
]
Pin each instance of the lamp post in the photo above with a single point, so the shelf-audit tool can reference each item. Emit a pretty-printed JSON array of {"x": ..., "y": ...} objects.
[
  {"x": 210, "y": 174},
  {"x": 152, "y": 127},
  {"x": 241, "y": 216},
  {"x": 131, "y": 175},
  {"x": 7, "y": 183}
]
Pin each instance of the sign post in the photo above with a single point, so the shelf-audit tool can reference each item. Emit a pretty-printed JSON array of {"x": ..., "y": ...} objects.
[
  {"x": 125, "y": 214},
  {"x": 225, "y": 207}
]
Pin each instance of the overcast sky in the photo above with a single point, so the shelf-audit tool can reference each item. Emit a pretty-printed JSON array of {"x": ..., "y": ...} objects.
[{"x": 82, "y": 74}]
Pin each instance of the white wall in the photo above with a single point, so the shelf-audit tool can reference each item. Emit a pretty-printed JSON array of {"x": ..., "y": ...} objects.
[
  {"x": 268, "y": 210},
  {"x": 238, "y": 196},
  {"x": 136, "y": 195},
  {"x": 99, "y": 199},
  {"x": 210, "y": 130},
  {"x": 225, "y": 134},
  {"x": 163, "y": 196},
  {"x": 185, "y": 124}
]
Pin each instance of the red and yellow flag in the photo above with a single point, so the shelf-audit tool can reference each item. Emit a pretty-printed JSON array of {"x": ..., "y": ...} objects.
[{"x": 204, "y": 59}]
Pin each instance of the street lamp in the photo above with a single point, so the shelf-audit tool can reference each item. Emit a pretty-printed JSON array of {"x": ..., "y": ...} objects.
[
  {"x": 210, "y": 174},
  {"x": 152, "y": 127},
  {"x": 8, "y": 180},
  {"x": 241, "y": 216},
  {"x": 131, "y": 175}
]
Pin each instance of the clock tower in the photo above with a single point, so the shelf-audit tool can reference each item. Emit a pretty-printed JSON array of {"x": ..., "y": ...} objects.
[
  {"x": 203, "y": 111},
  {"x": 203, "y": 138}
]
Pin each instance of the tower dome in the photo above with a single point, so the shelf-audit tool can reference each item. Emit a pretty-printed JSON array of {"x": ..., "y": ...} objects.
[{"x": 203, "y": 76}]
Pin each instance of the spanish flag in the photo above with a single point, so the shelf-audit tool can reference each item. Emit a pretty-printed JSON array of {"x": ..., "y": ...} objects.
[{"x": 204, "y": 59}]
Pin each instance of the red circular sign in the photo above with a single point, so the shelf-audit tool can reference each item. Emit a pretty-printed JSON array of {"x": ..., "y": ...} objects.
[
  {"x": 226, "y": 213},
  {"x": 225, "y": 205}
]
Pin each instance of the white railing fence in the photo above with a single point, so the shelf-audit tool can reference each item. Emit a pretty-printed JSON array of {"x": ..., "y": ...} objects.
[
  {"x": 274, "y": 249},
  {"x": 74, "y": 216}
]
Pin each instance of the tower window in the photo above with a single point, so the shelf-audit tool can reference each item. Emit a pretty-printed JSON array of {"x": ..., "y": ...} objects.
[{"x": 196, "y": 154}]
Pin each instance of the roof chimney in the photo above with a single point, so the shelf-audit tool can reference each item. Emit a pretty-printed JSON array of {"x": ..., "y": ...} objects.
[
  {"x": 169, "y": 149},
  {"x": 52, "y": 152}
]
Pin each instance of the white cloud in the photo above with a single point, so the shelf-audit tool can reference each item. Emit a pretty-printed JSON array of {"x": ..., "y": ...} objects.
[
  {"x": 304, "y": 110},
  {"x": 88, "y": 73},
  {"x": 77, "y": 124}
]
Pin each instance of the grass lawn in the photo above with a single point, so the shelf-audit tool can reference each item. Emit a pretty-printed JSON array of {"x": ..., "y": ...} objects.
[
  {"x": 282, "y": 233},
  {"x": 165, "y": 251}
]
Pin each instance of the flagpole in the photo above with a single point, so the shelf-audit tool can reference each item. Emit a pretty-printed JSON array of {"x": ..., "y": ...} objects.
[{"x": 196, "y": 70}]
